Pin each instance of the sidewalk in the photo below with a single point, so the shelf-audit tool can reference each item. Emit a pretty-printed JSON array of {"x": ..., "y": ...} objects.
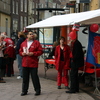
[{"x": 11, "y": 90}]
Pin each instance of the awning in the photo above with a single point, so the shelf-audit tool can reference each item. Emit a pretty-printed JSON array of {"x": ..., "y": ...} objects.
[{"x": 84, "y": 18}]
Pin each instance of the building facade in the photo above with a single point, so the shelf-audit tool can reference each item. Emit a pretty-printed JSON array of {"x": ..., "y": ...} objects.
[
  {"x": 19, "y": 15},
  {"x": 84, "y": 5},
  {"x": 5, "y": 18}
]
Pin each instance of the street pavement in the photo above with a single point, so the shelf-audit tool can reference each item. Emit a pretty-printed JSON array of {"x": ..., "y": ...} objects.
[{"x": 11, "y": 90}]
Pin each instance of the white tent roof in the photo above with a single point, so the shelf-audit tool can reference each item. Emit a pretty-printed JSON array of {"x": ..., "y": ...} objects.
[{"x": 84, "y": 18}]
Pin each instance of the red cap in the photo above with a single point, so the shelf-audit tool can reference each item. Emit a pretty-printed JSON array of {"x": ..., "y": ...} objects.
[{"x": 72, "y": 35}]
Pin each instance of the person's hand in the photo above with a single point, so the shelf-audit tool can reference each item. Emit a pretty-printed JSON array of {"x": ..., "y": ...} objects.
[
  {"x": 53, "y": 57},
  {"x": 24, "y": 54},
  {"x": 30, "y": 54},
  {"x": 0, "y": 48},
  {"x": 14, "y": 46}
]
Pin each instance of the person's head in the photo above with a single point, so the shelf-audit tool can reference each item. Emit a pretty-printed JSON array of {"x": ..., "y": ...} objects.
[
  {"x": 30, "y": 36},
  {"x": 55, "y": 43},
  {"x": 72, "y": 36},
  {"x": 61, "y": 40},
  {"x": 1, "y": 37},
  {"x": 5, "y": 33},
  {"x": 35, "y": 36},
  {"x": 21, "y": 34}
]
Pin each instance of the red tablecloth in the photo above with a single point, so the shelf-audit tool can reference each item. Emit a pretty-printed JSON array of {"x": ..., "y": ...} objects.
[
  {"x": 50, "y": 61},
  {"x": 88, "y": 68}
]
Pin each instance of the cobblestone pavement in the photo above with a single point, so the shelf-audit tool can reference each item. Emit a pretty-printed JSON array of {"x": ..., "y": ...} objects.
[{"x": 11, "y": 90}]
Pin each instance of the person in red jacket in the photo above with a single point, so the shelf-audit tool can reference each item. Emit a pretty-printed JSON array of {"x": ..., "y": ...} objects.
[
  {"x": 62, "y": 61},
  {"x": 9, "y": 51},
  {"x": 30, "y": 49}
]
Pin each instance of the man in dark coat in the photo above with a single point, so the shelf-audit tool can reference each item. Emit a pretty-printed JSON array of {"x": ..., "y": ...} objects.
[{"x": 77, "y": 60}]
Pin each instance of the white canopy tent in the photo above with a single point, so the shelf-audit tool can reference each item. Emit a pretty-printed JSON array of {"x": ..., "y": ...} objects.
[{"x": 84, "y": 18}]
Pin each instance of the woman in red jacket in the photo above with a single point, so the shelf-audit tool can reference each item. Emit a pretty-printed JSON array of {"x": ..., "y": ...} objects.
[{"x": 62, "y": 61}]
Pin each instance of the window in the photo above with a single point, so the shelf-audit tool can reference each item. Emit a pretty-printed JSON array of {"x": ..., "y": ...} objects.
[
  {"x": 4, "y": 6},
  {"x": 21, "y": 22},
  {"x": 15, "y": 25},
  {"x": 50, "y": 0},
  {"x": 33, "y": 7},
  {"x": 54, "y": 5},
  {"x": 25, "y": 5},
  {"x": 21, "y": 5},
  {"x": 42, "y": 5},
  {"x": 30, "y": 7},
  {"x": 3, "y": 0},
  {"x": 32, "y": 20},
  {"x": 16, "y": 7},
  {"x": 25, "y": 21},
  {"x": 7, "y": 1},
  {"x": 86, "y": 7},
  {"x": 13, "y": 7},
  {"x": 36, "y": 5}
]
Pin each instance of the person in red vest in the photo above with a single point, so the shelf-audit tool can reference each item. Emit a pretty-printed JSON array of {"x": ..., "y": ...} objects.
[
  {"x": 62, "y": 61},
  {"x": 10, "y": 53},
  {"x": 30, "y": 50}
]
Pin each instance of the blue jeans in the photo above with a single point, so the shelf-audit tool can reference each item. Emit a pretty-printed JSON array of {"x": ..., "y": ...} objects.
[{"x": 19, "y": 59}]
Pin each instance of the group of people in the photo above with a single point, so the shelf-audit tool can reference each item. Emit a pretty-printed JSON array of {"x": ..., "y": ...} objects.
[
  {"x": 28, "y": 50},
  {"x": 66, "y": 57},
  {"x": 69, "y": 57},
  {"x": 7, "y": 56}
]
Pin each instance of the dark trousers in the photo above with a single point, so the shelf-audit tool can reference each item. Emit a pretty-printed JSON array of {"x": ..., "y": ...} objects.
[
  {"x": 35, "y": 79},
  {"x": 9, "y": 66},
  {"x": 74, "y": 79}
]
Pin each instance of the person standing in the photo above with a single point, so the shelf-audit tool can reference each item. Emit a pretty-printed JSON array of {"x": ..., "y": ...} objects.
[
  {"x": 77, "y": 60},
  {"x": 62, "y": 61},
  {"x": 2, "y": 67},
  {"x": 10, "y": 53},
  {"x": 30, "y": 49},
  {"x": 21, "y": 37}
]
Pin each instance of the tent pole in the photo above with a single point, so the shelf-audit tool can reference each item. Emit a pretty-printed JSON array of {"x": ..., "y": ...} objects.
[
  {"x": 44, "y": 57},
  {"x": 44, "y": 53},
  {"x": 43, "y": 42},
  {"x": 96, "y": 91}
]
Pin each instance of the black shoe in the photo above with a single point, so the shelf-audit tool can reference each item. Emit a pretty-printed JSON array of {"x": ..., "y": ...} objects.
[
  {"x": 2, "y": 81},
  {"x": 23, "y": 93},
  {"x": 70, "y": 91},
  {"x": 37, "y": 93},
  {"x": 77, "y": 91},
  {"x": 66, "y": 87},
  {"x": 8, "y": 75},
  {"x": 59, "y": 87}
]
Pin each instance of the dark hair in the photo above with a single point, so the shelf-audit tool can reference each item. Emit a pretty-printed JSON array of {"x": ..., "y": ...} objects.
[
  {"x": 21, "y": 34},
  {"x": 55, "y": 43},
  {"x": 61, "y": 38},
  {"x": 29, "y": 32}
]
